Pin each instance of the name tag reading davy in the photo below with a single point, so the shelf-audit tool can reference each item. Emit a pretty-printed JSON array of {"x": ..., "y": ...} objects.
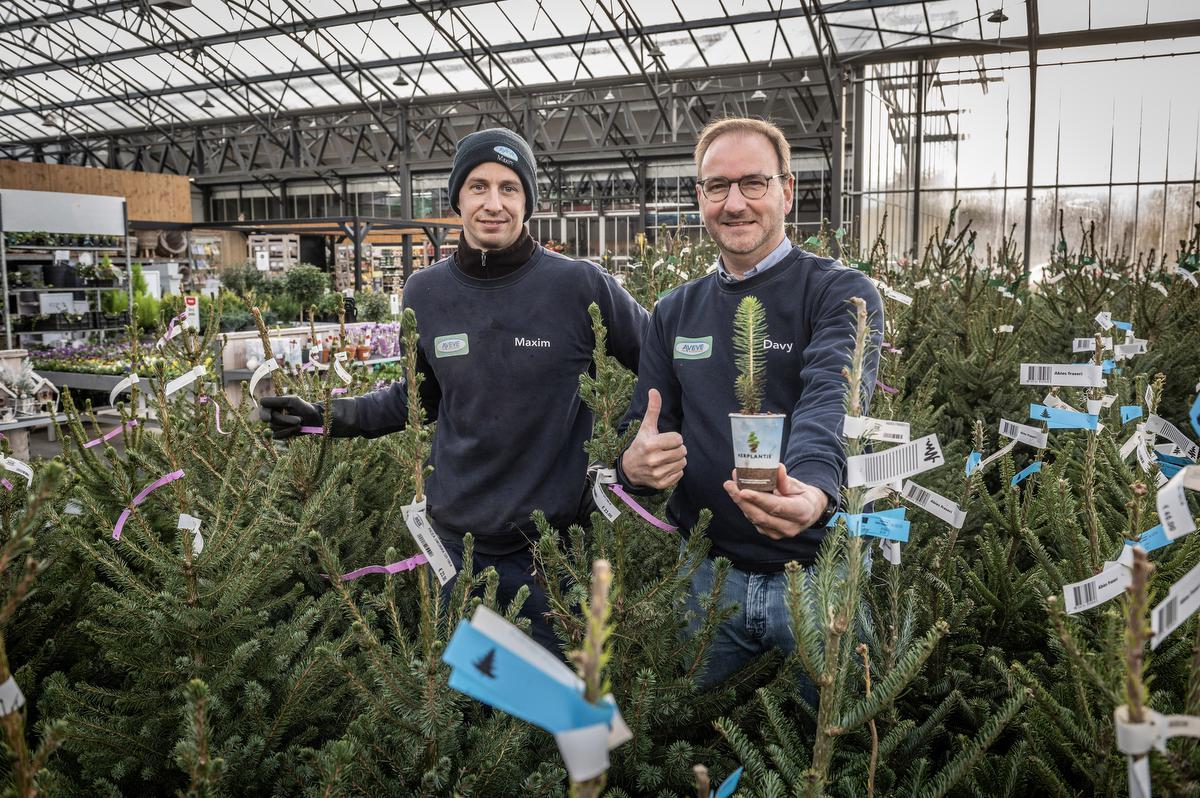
[{"x": 428, "y": 541}]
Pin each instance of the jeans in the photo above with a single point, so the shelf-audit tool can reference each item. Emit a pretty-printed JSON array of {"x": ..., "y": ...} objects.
[
  {"x": 760, "y": 623},
  {"x": 515, "y": 570}
]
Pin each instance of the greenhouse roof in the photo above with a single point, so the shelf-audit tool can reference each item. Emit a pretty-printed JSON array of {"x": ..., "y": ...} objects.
[{"x": 87, "y": 67}]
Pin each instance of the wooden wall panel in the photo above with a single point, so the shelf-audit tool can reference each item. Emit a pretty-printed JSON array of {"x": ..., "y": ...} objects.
[{"x": 151, "y": 197}]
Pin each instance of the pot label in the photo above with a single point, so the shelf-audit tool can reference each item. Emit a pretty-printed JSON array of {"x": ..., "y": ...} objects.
[
  {"x": 452, "y": 345},
  {"x": 693, "y": 348}
]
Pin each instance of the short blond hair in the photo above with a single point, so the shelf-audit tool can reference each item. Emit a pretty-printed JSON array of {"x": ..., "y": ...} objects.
[{"x": 744, "y": 124}]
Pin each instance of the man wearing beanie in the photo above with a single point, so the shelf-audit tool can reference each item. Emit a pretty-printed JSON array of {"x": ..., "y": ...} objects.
[{"x": 504, "y": 335}]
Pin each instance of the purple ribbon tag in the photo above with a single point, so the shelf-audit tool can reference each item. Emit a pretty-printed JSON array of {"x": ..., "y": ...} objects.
[
  {"x": 312, "y": 430},
  {"x": 111, "y": 434},
  {"x": 886, "y": 388},
  {"x": 7, "y": 485},
  {"x": 217, "y": 409},
  {"x": 165, "y": 479},
  {"x": 395, "y": 568},
  {"x": 639, "y": 509}
]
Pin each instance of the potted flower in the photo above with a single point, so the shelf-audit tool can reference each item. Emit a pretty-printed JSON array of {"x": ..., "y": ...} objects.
[{"x": 757, "y": 436}]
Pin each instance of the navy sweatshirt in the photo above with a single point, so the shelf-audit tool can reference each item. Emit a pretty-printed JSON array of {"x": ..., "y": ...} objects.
[
  {"x": 811, "y": 335},
  {"x": 502, "y": 359}
]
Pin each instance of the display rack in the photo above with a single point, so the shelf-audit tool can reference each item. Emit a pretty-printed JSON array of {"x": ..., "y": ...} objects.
[
  {"x": 274, "y": 252},
  {"x": 343, "y": 267},
  {"x": 66, "y": 228}
]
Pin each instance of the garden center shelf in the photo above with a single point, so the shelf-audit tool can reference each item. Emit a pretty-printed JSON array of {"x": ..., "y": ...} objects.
[
  {"x": 40, "y": 247},
  {"x": 50, "y": 256},
  {"x": 233, "y": 375}
]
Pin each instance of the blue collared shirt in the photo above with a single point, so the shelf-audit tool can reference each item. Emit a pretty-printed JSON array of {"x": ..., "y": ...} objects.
[{"x": 779, "y": 253}]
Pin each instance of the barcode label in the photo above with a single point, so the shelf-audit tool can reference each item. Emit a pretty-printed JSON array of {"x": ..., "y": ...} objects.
[
  {"x": 1180, "y": 604},
  {"x": 1160, "y": 426},
  {"x": 1104, "y": 319},
  {"x": 1094, "y": 591},
  {"x": 1078, "y": 375},
  {"x": 1023, "y": 433},
  {"x": 1089, "y": 344},
  {"x": 605, "y": 476},
  {"x": 876, "y": 429},
  {"x": 934, "y": 504},
  {"x": 896, "y": 463},
  {"x": 428, "y": 541}
]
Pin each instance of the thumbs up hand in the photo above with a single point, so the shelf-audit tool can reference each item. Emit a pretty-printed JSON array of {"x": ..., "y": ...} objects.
[{"x": 654, "y": 459}]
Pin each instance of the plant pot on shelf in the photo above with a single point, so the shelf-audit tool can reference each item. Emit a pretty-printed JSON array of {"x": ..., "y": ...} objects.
[
  {"x": 364, "y": 352},
  {"x": 757, "y": 444},
  {"x": 57, "y": 275}
]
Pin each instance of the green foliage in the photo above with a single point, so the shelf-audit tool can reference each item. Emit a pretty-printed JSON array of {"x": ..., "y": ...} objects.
[
  {"x": 306, "y": 283},
  {"x": 749, "y": 333},
  {"x": 242, "y": 279},
  {"x": 373, "y": 306}
]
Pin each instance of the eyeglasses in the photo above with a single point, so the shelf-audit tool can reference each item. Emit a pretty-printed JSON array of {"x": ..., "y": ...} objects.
[{"x": 752, "y": 186}]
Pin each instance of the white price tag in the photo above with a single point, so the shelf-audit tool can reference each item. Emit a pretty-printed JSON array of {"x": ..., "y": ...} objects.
[
  {"x": 1004, "y": 328},
  {"x": 1054, "y": 278},
  {"x": 1024, "y": 433},
  {"x": 934, "y": 504},
  {"x": 876, "y": 429},
  {"x": 1095, "y": 590},
  {"x": 394, "y": 304},
  {"x": 192, "y": 524},
  {"x": 1185, "y": 274},
  {"x": 1172, "y": 502},
  {"x": 1160, "y": 288},
  {"x": 1125, "y": 351},
  {"x": 1053, "y": 401},
  {"x": 17, "y": 467},
  {"x": 605, "y": 476},
  {"x": 1160, "y": 426},
  {"x": 922, "y": 283},
  {"x": 1089, "y": 344},
  {"x": 899, "y": 462},
  {"x": 428, "y": 541},
  {"x": 1180, "y": 604},
  {"x": 179, "y": 383},
  {"x": 11, "y": 697},
  {"x": 339, "y": 367},
  {"x": 1104, "y": 319},
  {"x": 124, "y": 384},
  {"x": 264, "y": 368},
  {"x": 1079, "y": 375}
]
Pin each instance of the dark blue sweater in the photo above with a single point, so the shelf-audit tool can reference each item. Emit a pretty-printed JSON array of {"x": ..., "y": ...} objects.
[
  {"x": 502, "y": 359},
  {"x": 811, "y": 335}
]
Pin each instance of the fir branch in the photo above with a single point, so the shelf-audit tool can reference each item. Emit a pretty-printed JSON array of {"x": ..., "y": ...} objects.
[{"x": 749, "y": 333}]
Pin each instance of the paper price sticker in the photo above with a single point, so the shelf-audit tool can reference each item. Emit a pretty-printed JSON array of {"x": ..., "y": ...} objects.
[
  {"x": 1180, "y": 604},
  {"x": 1089, "y": 344},
  {"x": 1160, "y": 288},
  {"x": 428, "y": 541},
  {"x": 1124, "y": 351},
  {"x": 1004, "y": 328},
  {"x": 124, "y": 384},
  {"x": 339, "y": 367},
  {"x": 934, "y": 504},
  {"x": 1094, "y": 591},
  {"x": 900, "y": 462},
  {"x": 1185, "y": 274},
  {"x": 1054, "y": 278},
  {"x": 876, "y": 429},
  {"x": 1082, "y": 375},
  {"x": 1104, "y": 319},
  {"x": 1024, "y": 433},
  {"x": 605, "y": 476},
  {"x": 11, "y": 697},
  {"x": 1173, "y": 509},
  {"x": 922, "y": 283},
  {"x": 192, "y": 524},
  {"x": 1160, "y": 426}
]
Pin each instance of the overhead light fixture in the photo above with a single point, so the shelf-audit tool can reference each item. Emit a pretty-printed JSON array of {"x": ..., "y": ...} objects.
[
  {"x": 171, "y": 5},
  {"x": 49, "y": 120},
  {"x": 804, "y": 76},
  {"x": 191, "y": 180},
  {"x": 998, "y": 16},
  {"x": 400, "y": 79},
  {"x": 41, "y": 22},
  {"x": 610, "y": 95},
  {"x": 391, "y": 166},
  {"x": 207, "y": 103},
  {"x": 759, "y": 94},
  {"x": 654, "y": 51}
]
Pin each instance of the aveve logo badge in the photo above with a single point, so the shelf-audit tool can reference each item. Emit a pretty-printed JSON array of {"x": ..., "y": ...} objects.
[
  {"x": 452, "y": 345},
  {"x": 507, "y": 155},
  {"x": 693, "y": 348}
]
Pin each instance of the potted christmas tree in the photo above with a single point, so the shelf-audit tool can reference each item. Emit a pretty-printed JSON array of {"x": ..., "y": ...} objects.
[{"x": 757, "y": 436}]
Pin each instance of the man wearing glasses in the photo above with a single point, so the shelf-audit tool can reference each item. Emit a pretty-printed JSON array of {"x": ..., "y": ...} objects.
[{"x": 685, "y": 391}]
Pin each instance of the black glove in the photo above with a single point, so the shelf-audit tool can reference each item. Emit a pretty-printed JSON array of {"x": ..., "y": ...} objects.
[{"x": 287, "y": 414}]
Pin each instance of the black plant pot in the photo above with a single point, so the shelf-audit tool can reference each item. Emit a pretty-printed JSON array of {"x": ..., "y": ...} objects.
[{"x": 57, "y": 275}]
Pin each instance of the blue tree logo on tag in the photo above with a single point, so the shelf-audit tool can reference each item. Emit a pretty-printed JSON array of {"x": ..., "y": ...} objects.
[
  {"x": 451, "y": 345},
  {"x": 506, "y": 154}
]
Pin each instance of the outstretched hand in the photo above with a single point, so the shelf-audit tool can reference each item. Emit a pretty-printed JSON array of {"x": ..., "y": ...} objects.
[{"x": 787, "y": 511}]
